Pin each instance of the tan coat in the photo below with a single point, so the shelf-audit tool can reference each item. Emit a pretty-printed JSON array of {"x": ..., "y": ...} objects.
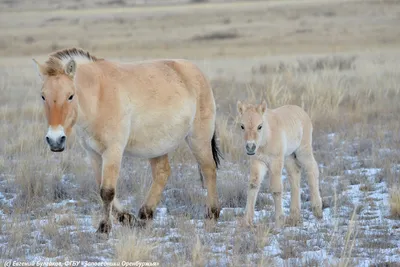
[
  {"x": 147, "y": 108},
  {"x": 274, "y": 139}
]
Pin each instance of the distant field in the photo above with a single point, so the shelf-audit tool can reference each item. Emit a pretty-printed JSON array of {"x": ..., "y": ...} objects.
[
  {"x": 340, "y": 60},
  {"x": 240, "y": 29}
]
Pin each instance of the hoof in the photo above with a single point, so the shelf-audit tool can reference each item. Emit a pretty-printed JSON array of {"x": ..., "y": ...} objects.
[
  {"x": 317, "y": 211},
  {"x": 279, "y": 221},
  {"x": 104, "y": 227},
  {"x": 126, "y": 219},
  {"x": 212, "y": 213},
  {"x": 246, "y": 222},
  {"x": 293, "y": 220},
  {"x": 140, "y": 224},
  {"x": 145, "y": 213}
]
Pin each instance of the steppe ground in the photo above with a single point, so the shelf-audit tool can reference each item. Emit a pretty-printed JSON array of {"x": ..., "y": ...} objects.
[{"x": 340, "y": 60}]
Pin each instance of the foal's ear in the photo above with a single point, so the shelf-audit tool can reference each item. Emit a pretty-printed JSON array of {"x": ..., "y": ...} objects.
[
  {"x": 70, "y": 68},
  {"x": 262, "y": 107},
  {"x": 39, "y": 68},
  {"x": 240, "y": 107}
]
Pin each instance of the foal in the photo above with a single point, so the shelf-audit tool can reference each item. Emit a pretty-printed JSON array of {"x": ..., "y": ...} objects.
[{"x": 274, "y": 138}]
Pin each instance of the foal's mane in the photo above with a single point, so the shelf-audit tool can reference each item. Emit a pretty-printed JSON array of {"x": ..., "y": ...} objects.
[{"x": 57, "y": 61}]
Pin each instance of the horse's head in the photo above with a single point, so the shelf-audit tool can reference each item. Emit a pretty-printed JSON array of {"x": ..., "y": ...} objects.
[
  {"x": 59, "y": 100},
  {"x": 252, "y": 121}
]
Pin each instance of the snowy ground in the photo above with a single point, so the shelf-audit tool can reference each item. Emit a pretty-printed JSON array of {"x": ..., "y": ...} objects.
[
  {"x": 339, "y": 60},
  {"x": 356, "y": 223}
]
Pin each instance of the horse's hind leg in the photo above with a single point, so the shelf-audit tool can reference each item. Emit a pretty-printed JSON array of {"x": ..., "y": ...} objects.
[
  {"x": 308, "y": 162},
  {"x": 161, "y": 170},
  {"x": 124, "y": 217},
  {"x": 294, "y": 173},
  {"x": 202, "y": 151}
]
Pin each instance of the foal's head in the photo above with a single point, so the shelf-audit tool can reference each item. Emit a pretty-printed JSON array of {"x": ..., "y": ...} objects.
[
  {"x": 59, "y": 100},
  {"x": 252, "y": 124}
]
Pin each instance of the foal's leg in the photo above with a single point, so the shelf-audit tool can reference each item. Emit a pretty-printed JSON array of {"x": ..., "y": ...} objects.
[
  {"x": 161, "y": 170},
  {"x": 201, "y": 149},
  {"x": 124, "y": 217},
  {"x": 276, "y": 186},
  {"x": 112, "y": 158},
  {"x": 294, "y": 173},
  {"x": 258, "y": 170},
  {"x": 307, "y": 161}
]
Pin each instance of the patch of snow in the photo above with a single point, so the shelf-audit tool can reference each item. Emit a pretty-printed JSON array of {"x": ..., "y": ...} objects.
[
  {"x": 365, "y": 171},
  {"x": 272, "y": 249}
]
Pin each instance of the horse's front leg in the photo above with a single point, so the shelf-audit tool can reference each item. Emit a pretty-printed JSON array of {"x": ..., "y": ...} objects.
[
  {"x": 258, "y": 170},
  {"x": 122, "y": 216},
  {"x": 161, "y": 170},
  {"x": 276, "y": 187},
  {"x": 112, "y": 158}
]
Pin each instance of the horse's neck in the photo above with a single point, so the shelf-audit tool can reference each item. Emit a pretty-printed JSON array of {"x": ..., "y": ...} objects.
[
  {"x": 270, "y": 120},
  {"x": 87, "y": 109},
  {"x": 88, "y": 90}
]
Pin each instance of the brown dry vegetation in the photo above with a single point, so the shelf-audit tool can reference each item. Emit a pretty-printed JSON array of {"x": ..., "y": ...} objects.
[{"x": 49, "y": 204}]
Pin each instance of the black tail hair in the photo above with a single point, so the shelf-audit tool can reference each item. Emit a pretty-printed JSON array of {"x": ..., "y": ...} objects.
[
  {"x": 215, "y": 151},
  {"x": 216, "y": 156}
]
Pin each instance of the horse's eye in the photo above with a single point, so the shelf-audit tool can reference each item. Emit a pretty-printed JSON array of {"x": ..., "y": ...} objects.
[
  {"x": 70, "y": 98},
  {"x": 259, "y": 127},
  {"x": 242, "y": 126},
  {"x": 43, "y": 98}
]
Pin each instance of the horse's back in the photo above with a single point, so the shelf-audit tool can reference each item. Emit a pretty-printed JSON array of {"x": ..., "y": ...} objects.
[
  {"x": 168, "y": 78},
  {"x": 293, "y": 113}
]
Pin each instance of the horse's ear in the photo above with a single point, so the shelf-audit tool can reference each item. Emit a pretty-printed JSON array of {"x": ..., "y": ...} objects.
[
  {"x": 240, "y": 107},
  {"x": 39, "y": 68},
  {"x": 70, "y": 68},
  {"x": 262, "y": 107}
]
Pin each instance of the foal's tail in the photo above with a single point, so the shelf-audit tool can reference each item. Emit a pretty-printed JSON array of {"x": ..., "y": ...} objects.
[{"x": 216, "y": 156}]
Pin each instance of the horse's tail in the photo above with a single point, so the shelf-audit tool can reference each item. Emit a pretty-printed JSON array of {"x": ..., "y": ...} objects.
[
  {"x": 217, "y": 155},
  {"x": 215, "y": 151}
]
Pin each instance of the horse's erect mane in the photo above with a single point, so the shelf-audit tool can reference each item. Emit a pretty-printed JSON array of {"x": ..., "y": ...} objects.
[{"x": 58, "y": 60}]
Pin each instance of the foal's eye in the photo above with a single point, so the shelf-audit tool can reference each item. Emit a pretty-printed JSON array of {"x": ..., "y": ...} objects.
[
  {"x": 70, "y": 98},
  {"x": 259, "y": 127},
  {"x": 43, "y": 98},
  {"x": 242, "y": 126}
]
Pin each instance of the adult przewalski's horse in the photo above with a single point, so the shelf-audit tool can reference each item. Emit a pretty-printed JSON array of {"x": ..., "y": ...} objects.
[
  {"x": 275, "y": 138},
  {"x": 147, "y": 108}
]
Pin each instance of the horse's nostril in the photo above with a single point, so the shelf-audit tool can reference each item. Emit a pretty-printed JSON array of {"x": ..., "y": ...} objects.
[
  {"x": 250, "y": 147},
  {"x": 62, "y": 139},
  {"x": 47, "y": 139}
]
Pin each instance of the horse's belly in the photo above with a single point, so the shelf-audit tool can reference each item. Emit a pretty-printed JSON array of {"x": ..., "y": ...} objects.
[
  {"x": 158, "y": 131},
  {"x": 151, "y": 150},
  {"x": 293, "y": 143},
  {"x": 157, "y": 142},
  {"x": 292, "y": 147}
]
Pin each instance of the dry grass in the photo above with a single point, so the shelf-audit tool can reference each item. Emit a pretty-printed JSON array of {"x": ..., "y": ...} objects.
[
  {"x": 395, "y": 202},
  {"x": 198, "y": 253},
  {"x": 132, "y": 247},
  {"x": 49, "y": 204}
]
